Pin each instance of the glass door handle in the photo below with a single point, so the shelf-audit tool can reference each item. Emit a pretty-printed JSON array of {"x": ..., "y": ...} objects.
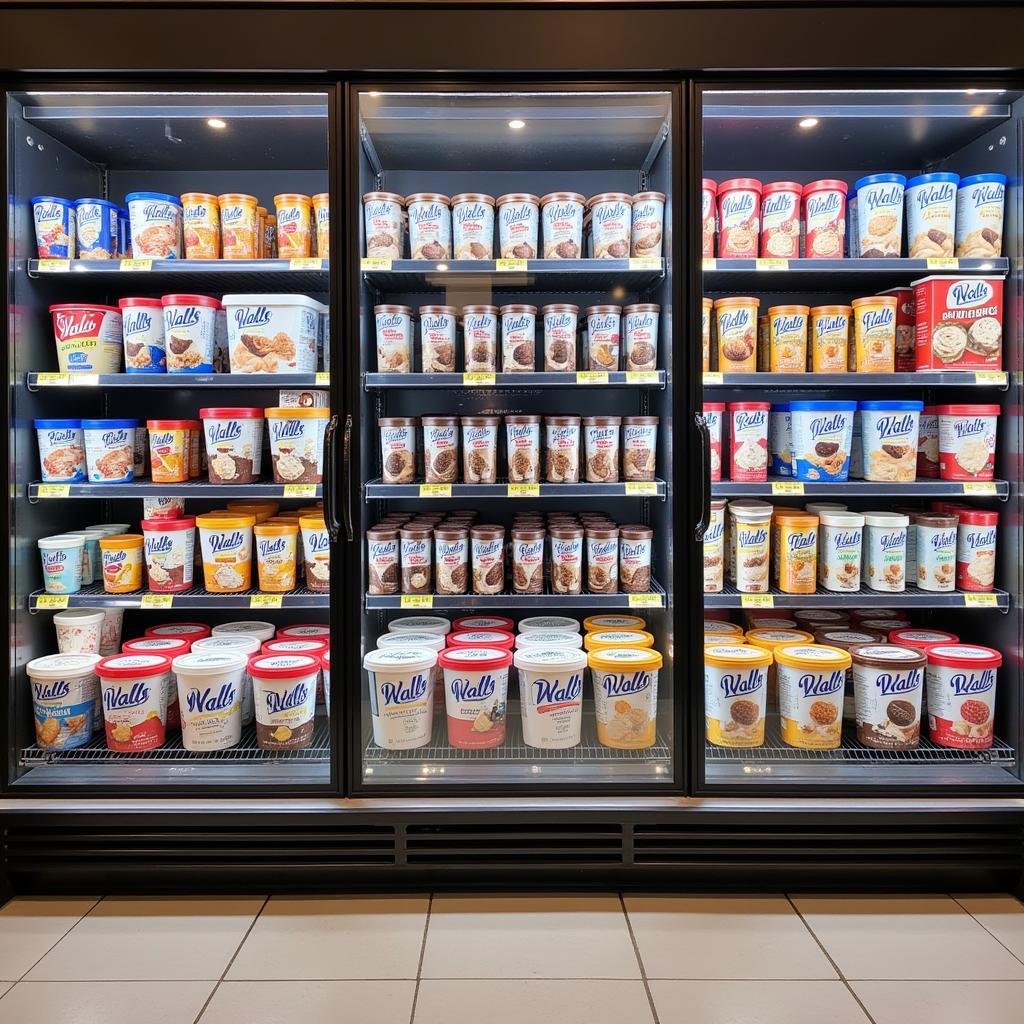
[
  {"x": 346, "y": 462},
  {"x": 705, "y": 476},
  {"x": 328, "y": 478}
]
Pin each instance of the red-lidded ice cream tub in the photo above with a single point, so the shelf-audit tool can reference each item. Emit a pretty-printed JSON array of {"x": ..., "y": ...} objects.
[
  {"x": 922, "y": 639},
  {"x": 708, "y": 191},
  {"x": 476, "y": 695},
  {"x": 133, "y": 690},
  {"x": 88, "y": 337},
  {"x": 967, "y": 441},
  {"x": 928, "y": 443},
  {"x": 190, "y": 631},
  {"x": 961, "y": 680},
  {"x": 739, "y": 218},
  {"x": 906, "y": 319},
  {"x": 780, "y": 219},
  {"x": 976, "y": 549},
  {"x": 748, "y": 441},
  {"x": 714, "y": 414},
  {"x": 958, "y": 323},
  {"x": 824, "y": 208}
]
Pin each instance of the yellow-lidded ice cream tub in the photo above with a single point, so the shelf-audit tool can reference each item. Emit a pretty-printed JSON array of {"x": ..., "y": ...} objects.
[
  {"x": 599, "y": 623},
  {"x": 812, "y": 680},
  {"x": 226, "y": 543},
  {"x": 710, "y": 639},
  {"x": 798, "y": 553},
  {"x": 723, "y": 630},
  {"x": 735, "y": 694},
  {"x": 625, "y": 696},
  {"x": 770, "y": 637},
  {"x": 604, "y": 639},
  {"x": 874, "y": 333}
]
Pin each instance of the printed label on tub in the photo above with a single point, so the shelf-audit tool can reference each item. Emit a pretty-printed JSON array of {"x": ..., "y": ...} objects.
[
  {"x": 272, "y": 333},
  {"x": 959, "y": 323}
]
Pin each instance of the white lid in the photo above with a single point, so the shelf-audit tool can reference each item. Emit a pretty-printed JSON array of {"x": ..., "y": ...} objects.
[
  {"x": 61, "y": 540},
  {"x": 420, "y": 624},
  {"x": 429, "y": 641},
  {"x": 63, "y": 666},
  {"x": 110, "y": 528},
  {"x": 549, "y": 622},
  {"x": 480, "y": 637},
  {"x": 79, "y": 616},
  {"x": 285, "y": 665},
  {"x": 305, "y": 630},
  {"x": 244, "y": 644},
  {"x": 88, "y": 534},
  {"x": 725, "y": 628},
  {"x": 550, "y": 638},
  {"x": 540, "y": 658},
  {"x": 156, "y": 643},
  {"x": 625, "y": 637},
  {"x": 637, "y": 653},
  {"x": 834, "y": 517},
  {"x": 888, "y": 652},
  {"x": 201, "y": 663},
  {"x": 756, "y": 512},
  {"x": 261, "y": 630},
  {"x": 738, "y": 652},
  {"x": 597, "y": 622},
  {"x": 415, "y": 659},
  {"x": 475, "y": 654},
  {"x": 886, "y": 519},
  {"x": 143, "y": 662},
  {"x": 269, "y": 299}
]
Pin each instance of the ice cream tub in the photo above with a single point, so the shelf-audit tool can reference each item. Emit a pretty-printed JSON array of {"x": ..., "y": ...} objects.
[
  {"x": 169, "y": 552},
  {"x": 739, "y": 218},
  {"x": 234, "y": 444},
  {"x": 498, "y": 638},
  {"x": 155, "y": 219},
  {"x": 880, "y": 215},
  {"x": 244, "y": 646},
  {"x": 435, "y": 624},
  {"x": 707, "y": 309},
  {"x": 109, "y": 450},
  {"x": 787, "y": 339},
  {"x": 767, "y": 638},
  {"x": 736, "y": 319},
  {"x": 824, "y": 215},
  {"x": 830, "y": 338},
  {"x": 979, "y": 216},
  {"x": 602, "y": 639},
  {"x": 275, "y": 545},
  {"x": 889, "y": 434},
  {"x": 430, "y": 226},
  {"x": 91, "y": 561},
  {"x": 294, "y": 225},
  {"x": 976, "y": 549},
  {"x": 748, "y": 441},
  {"x": 713, "y": 414},
  {"x": 88, "y": 337},
  {"x": 647, "y": 223},
  {"x": 874, "y": 333},
  {"x": 780, "y": 440},
  {"x": 437, "y": 338},
  {"x": 822, "y": 436},
  {"x": 811, "y": 680},
  {"x": 551, "y": 695},
  {"x": 191, "y": 631},
  {"x": 935, "y": 550},
  {"x": 928, "y": 443},
  {"x": 284, "y": 692},
  {"x": 749, "y": 539},
  {"x": 967, "y": 441},
  {"x": 226, "y": 544},
  {"x": 840, "y": 541},
  {"x": 321, "y": 224},
  {"x": 201, "y": 223},
  {"x": 79, "y": 630},
  {"x": 888, "y": 682},
  {"x": 133, "y": 690},
  {"x": 96, "y": 229},
  {"x": 480, "y": 338},
  {"x": 394, "y": 338},
  {"x": 598, "y": 623},
  {"x": 518, "y": 337},
  {"x": 549, "y": 638},
  {"x": 238, "y": 226},
  {"x": 316, "y": 551},
  {"x": 209, "y": 686},
  {"x": 382, "y": 224},
  {"x": 54, "y": 220},
  {"x": 714, "y": 548},
  {"x": 931, "y": 213},
  {"x": 61, "y": 450},
  {"x": 562, "y": 225},
  {"x": 401, "y": 688},
  {"x": 611, "y": 221},
  {"x": 473, "y": 226},
  {"x": 476, "y": 695},
  {"x": 798, "y": 548},
  {"x": 189, "y": 327},
  {"x": 958, "y": 322},
  {"x": 780, "y": 219},
  {"x": 169, "y": 450},
  {"x": 142, "y": 328},
  {"x": 640, "y": 335},
  {"x": 885, "y": 551},
  {"x": 65, "y": 699},
  {"x": 272, "y": 333},
  {"x": 297, "y": 444},
  {"x": 121, "y": 557},
  {"x": 961, "y": 682},
  {"x": 735, "y": 694},
  {"x": 625, "y": 696}
]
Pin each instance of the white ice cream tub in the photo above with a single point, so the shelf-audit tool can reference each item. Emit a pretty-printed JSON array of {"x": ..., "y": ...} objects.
[
  {"x": 551, "y": 695},
  {"x": 210, "y": 698}
]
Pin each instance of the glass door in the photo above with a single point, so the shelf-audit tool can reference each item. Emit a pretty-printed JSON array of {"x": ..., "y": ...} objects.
[
  {"x": 170, "y": 350},
  {"x": 861, "y": 358},
  {"x": 515, "y": 438}
]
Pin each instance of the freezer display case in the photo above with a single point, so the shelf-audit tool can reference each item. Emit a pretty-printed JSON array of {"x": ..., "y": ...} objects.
[
  {"x": 169, "y": 410},
  {"x": 860, "y": 312},
  {"x": 513, "y": 459}
]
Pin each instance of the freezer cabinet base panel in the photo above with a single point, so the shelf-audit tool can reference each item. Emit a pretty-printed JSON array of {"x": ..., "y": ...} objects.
[{"x": 693, "y": 845}]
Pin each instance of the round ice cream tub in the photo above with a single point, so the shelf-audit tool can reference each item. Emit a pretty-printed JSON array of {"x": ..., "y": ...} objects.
[
  {"x": 382, "y": 222},
  {"x": 142, "y": 328},
  {"x": 735, "y": 694},
  {"x": 549, "y": 638},
  {"x": 713, "y": 414},
  {"x": 210, "y": 698},
  {"x": 736, "y": 320},
  {"x": 79, "y": 630},
  {"x": 497, "y": 638},
  {"x": 476, "y": 695},
  {"x": 466, "y": 622},
  {"x": 61, "y": 557},
  {"x": 739, "y": 218},
  {"x": 822, "y": 436},
  {"x": 88, "y": 337},
  {"x": 707, "y": 308},
  {"x": 979, "y": 215},
  {"x": 518, "y": 215},
  {"x": 401, "y": 685},
  {"x": 961, "y": 681},
  {"x": 518, "y": 337},
  {"x": 480, "y": 338},
  {"x": 625, "y": 696},
  {"x": 54, "y": 220},
  {"x": 931, "y": 214},
  {"x": 61, "y": 450},
  {"x": 92, "y": 565},
  {"x": 275, "y": 545},
  {"x": 65, "y": 699},
  {"x": 316, "y": 550},
  {"x": 787, "y": 339},
  {"x": 155, "y": 219},
  {"x": 603, "y": 337},
  {"x": 189, "y": 330},
  {"x": 708, "y": 191},
  {"x": 811, "y": 680},
  {"x": 430, "y": 226},
  {"x": 768, "y": 638},
  {"x": 889, "y": 432},
  {"x": 238, "y": 226},
  {"x": 294, "y": 225},
  {"x": 551, "y": 695},
  {"x": 234, "y": 444},
  {"x": 133, "y": 690},
  {"x": 780, "y": 440},
  {"x": 244, "y": 645},
  {"x": 226, "y": 544},
  {"x": 435, "y": 624},
  {"x": 96, "y": 229},
  {"x": 560, "y": 324},
  {"x": 888, "y": 682},
  {"x": 169, "y": 552},
  {"x": 780, "y": 219},
  {"x": 190, "y": 631},
  {"x": 967, "y": 441},
  {"x": 883, "y": 565},
  {"x": 714, "y": 548},
  {"x": 297, "y": 444},
  {"x": 646, "y": 225},
  {"x": 315, "y": 647},
  {"x": 431, "y": 642},
  {"x": 109, "y": 450},
  {"x": 122, "y": 559},
  {"x": 824, "y": 210},
  {"x": 561, "y": 215},
  {"x": 880, "y": 214},
  {"x": 394, "y": 338},
  {"x": 201, "y": 223},
  {"x": 437, "y": 338},
  {"x": 597, "y": 623},
  {"x": 748, "y": 441},
  {"x": 640, "y": 335},
  {"x": 606, "y": 638},
  {"x": 749, "y": 539},
  {"x": 874, "y": 334},
  {"x": 830, "y": 338},
  {"x": 935, "y": 535},
  {"x": 284, "y": 691},
  {"x": 976, "y": 549},
  {"x": 840, "y": 540},
  {"x": 473, "y": 226}
]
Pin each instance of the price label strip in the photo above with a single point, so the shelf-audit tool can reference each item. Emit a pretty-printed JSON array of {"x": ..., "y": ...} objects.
[
  {"x": 305, "y": 263},
  {"x": 979, "y": 487},
  {"x": 642, "y": 377},
  {"x": 943, "y": 263},
  {"x": 981, "y": 601},
  {"x": 54, "y": 266},
  {"x": 53, "y": 491},
  {"x": 157, "y": 601},
  {"x": 54, "y": 602},
  {"x": 417, "y": 601},
  {"x": 66, "y": 380},
  {"x": 323, "y": 379},
  {"x": 645, "y": 263},
  {"x": 713, "y": 378},
  {"x": 591, "y": 377},
  {"x": 143, "y": 266},
  {"x": 997, "y": 377},
  {"x": 641, "y": 488},
  {"x": 300, "y": 490},
  {"x": 708, "y": 263},
  {"x": 771, "y": 264},
  {"x": 374, "y": 263},
  {"x": 787, "y": 487},
  {"x": 265, "y": 601},
  {"x": 478, "y": 380},
  {"x": 645, "y": 601},
  {"x": 507, "y": 266},
  {"x": 524, "y": 490},
  {"x": 757, "y": 601},
  {"x": 435, "y": 490}
]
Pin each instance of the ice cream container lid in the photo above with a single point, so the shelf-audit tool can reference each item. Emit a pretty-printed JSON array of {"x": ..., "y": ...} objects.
[
  {"x": 414, "y": 659},
  {"x": 617, "y": 638},
  {"x": 61, "y": 540},
  {"x": 57, "y": 424},
  {"x": 518, "y": 197},
  {"x": 826, "y": 185},
  {"x": 558, "y": 622},
  {"x": 303, "y": 630},
  {"x": 769, "y": 638},
  {"x": 61, "y": 666},
  {"x": 847, "y": 639},
  {"x": 562, "y": 197},
  {"x": 121, "y": 540},
  {"x": 165, "y": 197},
  {"x": 880, "y": 179},
  {"x": 972, "y": 179},
  {"x": 62, "y": 306},
  {"x": 79, "y": 616},
  {"x": 431, "y": 641},
  {"x": 199, "y": 197},
  {"x": 233, "y": 413},
  {"x": 829, "y": 517},
  {"x": 964, "y": 656},
  {"x": 127, "y": 666},
  {"x": 978, "y": 517},
  {"x": 725, "y": 655},
  {"x": 238, "y": 197},
  {"x": 936, "y": 520},
  {"x": 880, "y": 625},
  {"x": 874, "y": 300},
  {"x": 254, "y": 503},
  {"x": 208, "y": 301},
  {"x": 110, "y": 528},
  {"x": 293, "y": 197},
  {"x": 473, "y": 197},
  {"x": 781, "y": 186},
  {"x": 922, "y": 638},
  {"x": 204, "y": 662},
  {"x": 711, "y": 639},
  {"x": 482, "y": 638},
  {"x": 820, "y": 615},
  {"x": 300, "y": 413},
  {"x": 714, "y": 407},
  {"x": 435, "y": 310},
  {"x": 474, "y": 657},
  {"x": 232, "y": 522},
  {"x": 625, "y": 658},
  {"x": 858, "y": 614},
  {"x": 823, "y": 406},
  {"x": 756, "y": 512},
  {"x": 968, "y": 410},
  {"x": 276, "y": 528},
  {"x": 594, "y": 623},
  {"x": 641, "y": 307},
  {"x": 926, "y": 179},
  {"x": 282, "y": 666},
  {"x": 540, "y": 658},
  {"x": 163, "y": 525},
  {"x": 117, "y": 424},
  {"x": 549, "y": 638},
  {"x": 54, "y": 199},
  {"x": 725, "y": 628},
  {"x": 729, "y": 301},
  {"x": 314, "y": 648},
  {"x": 260, "y": 630},
  {"x": 169, "y": 424},
  {"x": 749, "y": 406},
  {"x": 886, "y": 519},
  {"x": 420, "y": 624},
  {"x": 393, "y": 197},
  {"x": 707, "y": 185},
  {"x": 812, "y": 656},
  {"x": 831, "y": 310},
  {"x": 97, "y": 202},
  {"x": 610, "y": 197},
  {"x": 882, "y": 655},
  {"x": 244, "y": 644},
  {"x": 168, "y": 646},
  {"x": 195, "y": 630},
  {"x": 890, "y": 406},
  {"x": 735, "y": 183}
]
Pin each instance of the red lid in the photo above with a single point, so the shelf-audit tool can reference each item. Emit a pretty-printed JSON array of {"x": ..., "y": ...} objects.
[
  {"x": 189, "y": 300},
  {"x": 192, "y": 630},
  {"x": 967, "y": 410},
  {"x": 736, "y": 183},
  {"x": 959, "y": 656},
  {"x": 169, "y": 424},
  {"x": 930, "y": 410},
  {"x": 782, "y": 186},
  {"x": 157, "y": 525},
  {"x": 468, "y": 622},
  {"x": 922, "y": 639},
  {"x": 60, "y": 307},
  {"x": 240, "y": 413},
  {"x": 149, "y": 303},
  {"x": 499, "y": 638},
  {"x": 325, "y": 660},
  {"x": 282, "y": 666},
  {"x": 129, "y": 666},
  {"x": 749, "y": 406},
  {"x": 169, "y": 646},
  {"x": 707, "y": 185},
  {"x": 474, "y": 658},
  {"x": 826, "y": 184},
  {"x": 297, "y": 645},
  {"x": 714, "y": 406},
  {"x": 977, "y": 517}
]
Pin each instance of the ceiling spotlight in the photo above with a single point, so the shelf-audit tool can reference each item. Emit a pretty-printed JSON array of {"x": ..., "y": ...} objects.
[
  {"x": 515, "y": 124},
  {"x": 216, "y": 122},
  {"x": 808, "y": 122}
]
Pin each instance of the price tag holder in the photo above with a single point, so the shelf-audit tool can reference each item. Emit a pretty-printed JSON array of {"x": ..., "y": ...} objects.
[
  {"x": 265, "y": 600},
  {"x": 506, "y": 266},
  {"x": 300, "y": 490},
  {"x": 54, "y": 602},
  {"x": 323, "y": 379},
  {"x": 757, "y": 601},
  {"x": 645, "y": 263},
  {"x": 642, "y": 377},
  {"x": 980, "y": 487},
  {"x": 157, "y": 601},
  {"x": 997, "y": 377},
  {"x": 708, "y": 263},
  {"x": 943, "y": 263},
  {"x": 417, "y": 601},
  {"x": 981, "y": 601},
  {"x": 712, "y": 378},
  {"x": 54, "y": 266},
  {"x": 771, "y": 264},
  {"x": 787, "y": 487},
  {"x": 435, "y": 490},
  {"x": 137, "y": 266},
  {"x": 641, "y": 488},
  {"x": 305, "y": 263},
  {"x": 591, "y": 377},
  {"x": 53, "y": 491},
  {"x": 524, "y": 490},
  {"x": 67, "y": 380},
  {"x": 645, "y": 601},
  {"x": 478, "y": 380},
  {"x": 374, "y": 263}
]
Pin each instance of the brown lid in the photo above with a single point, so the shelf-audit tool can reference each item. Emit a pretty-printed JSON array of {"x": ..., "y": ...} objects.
[
  {"x": 562, "y": 421},
  {"x": 523, "y": 419},
  {"x": 518, "y": 307},
  {"x": 938, "y": 520},
  {"x": 559, "y": 307},
  {"x": 884, "y": 655},
  {"x": 602, "y": 421},
  {"x": 473, "y": 197},
  {"x": 388, "y": 308},
  {"x": 412, "y": 532},
  {"x": 480, "y": 421},
  {"x": 517, "y": 197},
  {"x": 641, "y": 196},
  {"x": 450, "y": 310},
  {"x": 609, "y": 197},
  {"x": 527, "y": 532},
  {"x": 641, "y": 307},
  {"x": 480, "y": 309},
  {"x": 563, "y": 197},
  {"x": 635, "y": 531},
  {"x": 640, "y": 421},
  {"x": 450, "y": 532},
  {"x": 566, "y": 532},
  {"x": 487, "y": 532},
  {"x": 440, "y": 421},
  {"x": 398, "y": 421},
  {"x": 603, "y": 309},
  {"x": 601, "y": 532},
  {"x": 392, "y": 196},
  {"x": 379, "y": 532},
  {"x": 428, "y": 197},
  {"x": 847, "y": 639}
]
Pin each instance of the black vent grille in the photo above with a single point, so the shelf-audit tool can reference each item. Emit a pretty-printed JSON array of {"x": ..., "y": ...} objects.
[{"x": 519, "y": 845}]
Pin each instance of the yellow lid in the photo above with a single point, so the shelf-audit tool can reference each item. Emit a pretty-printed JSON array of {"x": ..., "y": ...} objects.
[
  {"x": 768, "y": 638},
  {"x": 813, "y": 656},
  {"x": 302, "y": 413},
  {"x": 253, "y": 503},
  {"x": 121, "y": 540},
  {"x": 605, "y": 638},
  {"x": 259, "y": 512},
  {"x": 728, "y": 655},
  {"x": 722, "y": 638},
  {"x": 624, "y": 659},
  {"x": 596, "y": 623},
  {"x": 722, "y": 628},
  {"x": 312, "y": 522},
  {"x": 223, "y": 522},
  {"x": 276, "y": 529}
]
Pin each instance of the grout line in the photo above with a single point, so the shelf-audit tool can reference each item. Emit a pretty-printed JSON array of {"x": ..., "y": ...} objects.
[
  {"x": 639, "y": 960},
  {"x": 59, "y": 939},
  {"x": 419, "y": 964},
  {"x": 828, "y": 956},
  {"x": 982, "y": 924},
  {"x": 238, "y": 949}
]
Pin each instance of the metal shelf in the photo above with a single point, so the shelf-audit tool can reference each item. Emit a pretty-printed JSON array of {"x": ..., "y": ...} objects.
[
  {"x": 378, "y": 489},
  {"x": 912, "y": 597},
  {"x": 247, "y": 751},
  {"x": 512, "y": 381},
  {"x": 851, "y": 751},
  {"x": 802, "y": 274},
  {"x": 177, "y": 381},
  {"x": 216, "y": 275},
  {"x": 866, "y": 488},
  {"x": 188, "y": 489},
  {"x": 571, "y": 275},
  {"x": 194, "y": 597},
  {"x": 654, "y": 599},
  {"x": 829, "y": 381}
]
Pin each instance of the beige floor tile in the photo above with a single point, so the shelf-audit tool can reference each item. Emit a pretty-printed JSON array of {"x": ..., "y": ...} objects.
[
  {"x": 707, "y": 937},
  {"x": 528, "y": 937},
  {"x": 150, "y": 940},
  {"x": 905, "y": 937},
  {"x": 334, "y": 938},
  {"x": 531, "y": 1002},
  {"x": 755, "y": 1002},
  {"x": 1003, "y": 916},
  {"x": 940, "y": 1002},
  {"x": 29, "y": 927},
  {"x": 104, "y": 1002},
  {"x": 310, "y": 1002}
]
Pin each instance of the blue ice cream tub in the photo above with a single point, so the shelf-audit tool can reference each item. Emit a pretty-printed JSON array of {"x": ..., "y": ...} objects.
[
  {"x": 822, "y": 439},
  {"x": 61, "y": 450},
  {"x": 96, "y": 229},
  {"x": 155, "y": 222},
  {"x": 65, "y": 699},
  {"x": 55, "y": 227},
  {"x": 780, "y": 440},
  {"x": 110, "y": 450},
  {"x": 142, "y": 328},
  {"x": 889, "y": 437}
]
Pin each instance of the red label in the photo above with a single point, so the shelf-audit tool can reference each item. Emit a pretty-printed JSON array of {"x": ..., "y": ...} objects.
[{"x": 145, "y": 735}]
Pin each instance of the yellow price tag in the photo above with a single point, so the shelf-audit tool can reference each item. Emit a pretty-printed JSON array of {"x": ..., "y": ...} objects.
[
  {"x": 52, "y": 380},
  {"x": 645, "y": 601},
  {"x": 524, "y": 490},
  {"x": 980, "y": 601},
  {"x": 136, "y": 265},
  {"x": 510, "y": 265},
  {"x": 986, "y": 487},
  {"x": 787, "y": 487},
  {"x": 641, "y": 488},
  {"x": 708, "y": 263},
  {"x": 943, "y": 263},
  {"x": 306, "y": 263},
  {"x": 990, "y": 377},
  {"x": 374, "y": 263},
  {"x": 54, "y": 266},
  {"x": 435, "y": 490},
  {"x": 478, "y": 380},
  {"x": 323, "y": 379},
  {"x": 771, "y": 264},
  {"x": 53, "y": 491},
  {"x": 642, "y": 377},
  {"x": 300, "y": 490},
  {"x": 265, "y": 601},
  {"x": 757, "y": 601},
  {"x": 156, "y": 601},
  {"x": 591, "y": 377},
  {"x": 417, "y": 601},
  {"x": 54, "y": 601},
  {"x": 645, "y": 263},
  {"x": 713, "y": 378}
]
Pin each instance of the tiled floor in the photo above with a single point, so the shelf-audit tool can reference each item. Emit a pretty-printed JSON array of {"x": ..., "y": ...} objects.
[{"x": 513, "y": 960}]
